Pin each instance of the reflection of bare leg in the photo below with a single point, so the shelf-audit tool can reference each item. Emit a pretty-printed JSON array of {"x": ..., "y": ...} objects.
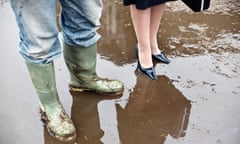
[
  {"x": 156, "y": 16},
  {"x": 155, "y": 110},
  {"x": 141, "y": 22}
]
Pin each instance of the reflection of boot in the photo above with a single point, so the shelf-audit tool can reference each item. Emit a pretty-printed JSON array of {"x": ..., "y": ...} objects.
[
  {"x": 57, "y": 121},
  {"x": 85, "y": 114},
  {"x": 81, "y": 63}
]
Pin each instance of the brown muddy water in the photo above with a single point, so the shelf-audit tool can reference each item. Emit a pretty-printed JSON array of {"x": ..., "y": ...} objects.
[{"x": 194, "y": 101}]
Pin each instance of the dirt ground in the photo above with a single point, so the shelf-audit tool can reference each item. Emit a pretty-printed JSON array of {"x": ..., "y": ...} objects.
[{"x": 194, "y": 101}]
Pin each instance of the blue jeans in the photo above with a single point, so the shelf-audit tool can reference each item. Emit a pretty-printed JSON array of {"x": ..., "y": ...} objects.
[{"x": 39, "y": 42}]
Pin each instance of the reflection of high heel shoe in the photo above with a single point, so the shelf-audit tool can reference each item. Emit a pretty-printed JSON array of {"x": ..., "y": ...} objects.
[
  {"x": 149, "y": 72},
  {"x": 162, "y": 58}
]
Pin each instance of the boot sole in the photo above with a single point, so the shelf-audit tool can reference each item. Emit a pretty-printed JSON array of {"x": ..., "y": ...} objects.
[
  {"x": 45, "y": 121},
  {"x": 62, "y": 139},
  {"x": 78, "y": 89}
]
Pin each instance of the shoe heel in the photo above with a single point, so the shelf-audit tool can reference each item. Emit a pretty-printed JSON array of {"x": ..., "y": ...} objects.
[{"x": 149, "y": 72}]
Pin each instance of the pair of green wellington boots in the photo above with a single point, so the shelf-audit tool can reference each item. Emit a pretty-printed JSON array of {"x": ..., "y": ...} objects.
[{"x": 81, "y": 63}]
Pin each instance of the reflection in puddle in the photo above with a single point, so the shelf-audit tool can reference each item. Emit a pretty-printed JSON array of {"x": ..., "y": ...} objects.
[
  {"x": 85, "y": 116},
  {"x": 148, "y": 112},
  {"x": 225, "y": 40},
  {"x": 154, "y": 110},
  {"x": 181, "y": 33},
  {"x": 150, "y": 115}
]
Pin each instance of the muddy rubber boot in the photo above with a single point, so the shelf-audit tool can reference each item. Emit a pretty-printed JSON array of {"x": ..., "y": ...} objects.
[
  {"x": 58, "y": 123},
  {"x": 81, "y": 63}
]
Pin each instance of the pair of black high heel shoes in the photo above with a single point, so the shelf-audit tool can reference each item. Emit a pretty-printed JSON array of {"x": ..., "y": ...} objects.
[{"x": 150, "y": 72}]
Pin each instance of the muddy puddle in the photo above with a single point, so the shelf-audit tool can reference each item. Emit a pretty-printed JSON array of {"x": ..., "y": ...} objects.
[{"x": 194, "y": 101}]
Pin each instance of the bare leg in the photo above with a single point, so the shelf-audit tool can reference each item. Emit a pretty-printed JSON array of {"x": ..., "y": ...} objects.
[
  {"x": 156, "y": 16},
  {"x": 141, "y": 23}
]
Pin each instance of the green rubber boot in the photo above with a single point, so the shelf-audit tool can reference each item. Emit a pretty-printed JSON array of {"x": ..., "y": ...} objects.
[
  {"x": 58, "y": 123},
  {"x": 81, "y": 63}
]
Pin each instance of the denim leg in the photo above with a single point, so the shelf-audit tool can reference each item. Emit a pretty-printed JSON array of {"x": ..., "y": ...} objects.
[
  {"x": 79, "y": 21},
  {"x": 36, "y": 20}
]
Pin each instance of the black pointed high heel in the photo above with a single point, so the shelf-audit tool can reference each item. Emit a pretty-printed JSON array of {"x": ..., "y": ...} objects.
[
  {"x": 162, "y": 58},
  {"x": 149, "y": 72}
]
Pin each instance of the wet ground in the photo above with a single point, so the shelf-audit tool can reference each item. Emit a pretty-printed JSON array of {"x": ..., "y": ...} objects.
[{"x": 194, "y": 101}]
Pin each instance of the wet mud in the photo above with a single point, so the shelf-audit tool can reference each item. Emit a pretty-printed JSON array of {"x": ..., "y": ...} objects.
[{"x": 194, "y": 101}]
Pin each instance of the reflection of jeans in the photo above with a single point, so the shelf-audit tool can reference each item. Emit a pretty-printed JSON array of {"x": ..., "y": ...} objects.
[{"x": 39, "y": 41}]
